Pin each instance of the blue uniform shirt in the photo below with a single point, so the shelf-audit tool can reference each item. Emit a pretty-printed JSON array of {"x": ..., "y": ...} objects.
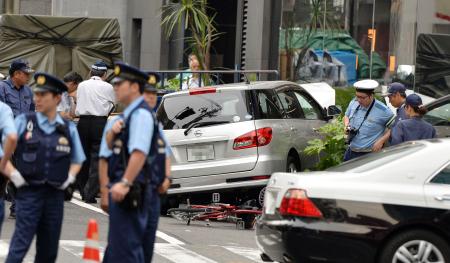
[
  {"x": 401, "y": 115},
  {"x": 105, "y": 152},
  {"x": 20, "y": 100},
  {"x": 372, "y": 128},
  {"x": 412, "y": 129},
  {"x": 6, "y": 123},
  {"x": 77, "y": 154}
]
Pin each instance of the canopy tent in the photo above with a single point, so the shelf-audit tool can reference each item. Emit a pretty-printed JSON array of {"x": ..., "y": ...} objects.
[
  {"x": 433, "y": 65},
  {"x": 58, "y": 45},
  {"x": 335, "y": 41}
]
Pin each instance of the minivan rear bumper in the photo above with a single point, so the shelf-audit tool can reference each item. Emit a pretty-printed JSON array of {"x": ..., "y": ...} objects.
[
  {"x": 217, "y": 187},
  {"x": 265, "y": 166}
]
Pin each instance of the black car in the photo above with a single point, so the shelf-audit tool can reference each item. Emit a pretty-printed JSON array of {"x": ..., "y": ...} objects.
[
  {"x": 387, "y": 207},
  {"x": 439, "y": 115}
]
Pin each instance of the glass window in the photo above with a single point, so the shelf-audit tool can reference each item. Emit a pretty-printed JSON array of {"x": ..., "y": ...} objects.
[
  {"x": 375, "y": 160},
  {"x": 443, "y": 177},
  {"x": 179, "y": 112},
  {"x": 268, "y": 107},
  {"x": 439, "y": 116},
  {"x": 309, "y": 107},
  {"x": 290, "y": 105}
]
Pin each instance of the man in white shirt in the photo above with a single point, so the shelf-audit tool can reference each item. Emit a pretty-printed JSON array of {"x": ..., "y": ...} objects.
[{"x": 95, "y": 101}]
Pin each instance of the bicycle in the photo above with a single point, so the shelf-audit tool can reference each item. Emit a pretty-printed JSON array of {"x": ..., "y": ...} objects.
[{"x": 243, "y": 216}]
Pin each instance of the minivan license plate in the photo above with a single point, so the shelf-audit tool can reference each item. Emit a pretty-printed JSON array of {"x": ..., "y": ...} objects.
[{"x": 200, "y": 153}]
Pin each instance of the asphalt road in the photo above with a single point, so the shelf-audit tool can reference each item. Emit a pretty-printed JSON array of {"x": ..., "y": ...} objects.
[{"x": 176, "y": 242}]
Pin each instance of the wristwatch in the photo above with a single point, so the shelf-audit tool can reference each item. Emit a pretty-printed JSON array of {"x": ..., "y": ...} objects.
[{"x": 126, "y": 182}]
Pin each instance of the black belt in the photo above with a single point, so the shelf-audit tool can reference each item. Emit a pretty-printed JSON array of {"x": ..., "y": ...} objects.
[{"x": 93, "y": 117}]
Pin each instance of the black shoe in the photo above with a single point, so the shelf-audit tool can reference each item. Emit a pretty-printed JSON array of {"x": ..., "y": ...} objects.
[
  {"x": 91, "y": 201},
  {"x": 12, "y": 214}
]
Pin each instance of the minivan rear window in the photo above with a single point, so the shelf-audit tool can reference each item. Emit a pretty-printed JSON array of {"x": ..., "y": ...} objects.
[{"x": 224, "y": 106}]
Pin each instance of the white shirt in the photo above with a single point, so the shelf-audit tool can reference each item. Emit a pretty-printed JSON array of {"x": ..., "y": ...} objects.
[{"x": 95, "y": 97}]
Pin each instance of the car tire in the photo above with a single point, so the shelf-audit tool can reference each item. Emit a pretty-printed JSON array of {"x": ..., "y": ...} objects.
[
  {"x": 407, "y": 244},
  {"x": 292, "y": 165}
]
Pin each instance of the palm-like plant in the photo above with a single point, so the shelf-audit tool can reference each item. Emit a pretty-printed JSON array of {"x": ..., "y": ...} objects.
[{"x": 193, "y": 15}]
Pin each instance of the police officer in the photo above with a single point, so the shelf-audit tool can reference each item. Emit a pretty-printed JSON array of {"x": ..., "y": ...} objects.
[
  {"x": 365, "y": 121},
  {"x": 48, "y": 157},
  {"x": 414, "y": 127},
  {"x": 123, "y": 169},
  {"x": 160, "y": 169},
  {"x": 396, "y": 94},
  {"x": 15, "y": 92},
  {"x": 7, "y": 130}
]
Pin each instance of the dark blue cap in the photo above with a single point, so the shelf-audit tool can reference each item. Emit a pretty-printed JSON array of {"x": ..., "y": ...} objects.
[
  {"x": 100, "y": 65},
  {"x": 413, "y": 100},
  {"x": 394, "y": 88},
  {"x": 123, "y": 72},
  {"x": 46, "y": 82},
  {"x": 20, "y": 64},
  {"x": 153, "y": 79}
]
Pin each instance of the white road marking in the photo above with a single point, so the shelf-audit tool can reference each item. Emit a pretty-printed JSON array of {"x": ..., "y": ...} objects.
[
  {"x": 159, "y": 234},
  {"x": 169, "y": 239},
  {"x": 250, "y": 253},
  {"x": 176, "y": 253},
  {"x": 76, "y": 247},
  {"x": 3, "y": 249}
]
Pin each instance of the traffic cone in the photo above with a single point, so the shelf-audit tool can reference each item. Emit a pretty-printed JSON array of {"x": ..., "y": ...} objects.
[{"x": 91, "y": 248}]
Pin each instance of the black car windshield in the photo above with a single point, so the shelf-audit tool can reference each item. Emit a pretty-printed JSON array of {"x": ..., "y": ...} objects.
[
  {"x": 375, "y": 160},
  {"x": 182, "y": 112}
]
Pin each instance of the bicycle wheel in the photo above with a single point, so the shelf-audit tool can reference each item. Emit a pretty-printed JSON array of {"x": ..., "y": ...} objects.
[{"x": 186, "y": 214}]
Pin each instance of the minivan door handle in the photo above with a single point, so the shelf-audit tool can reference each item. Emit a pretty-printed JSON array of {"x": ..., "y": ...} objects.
[{"x": 442, "y": 198}]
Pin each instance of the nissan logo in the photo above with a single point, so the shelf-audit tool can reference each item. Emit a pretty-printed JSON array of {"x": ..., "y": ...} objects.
[{"x": 198, "y": 133}]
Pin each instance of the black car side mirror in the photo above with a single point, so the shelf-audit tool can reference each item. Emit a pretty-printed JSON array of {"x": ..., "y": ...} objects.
[{"x": 333, "y": 110}]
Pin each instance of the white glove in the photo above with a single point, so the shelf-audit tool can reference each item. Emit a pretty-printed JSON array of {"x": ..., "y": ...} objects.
[
  {"x": 70, "y": 180},
  {"x": 17, "y": 179}
]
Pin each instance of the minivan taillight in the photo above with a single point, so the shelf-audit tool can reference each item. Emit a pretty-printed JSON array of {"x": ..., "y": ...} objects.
[
  {"x": 296, "y": 203},
  {"x": 259, "y": 137}
]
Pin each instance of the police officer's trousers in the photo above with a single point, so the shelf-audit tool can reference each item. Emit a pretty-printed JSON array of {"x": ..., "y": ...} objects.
[
  {"x": 152, "y": 226},
  {"x": 39, "y": 211},
  {"x": 2, "y": 213},
  {"x": 126, "y": 232}
]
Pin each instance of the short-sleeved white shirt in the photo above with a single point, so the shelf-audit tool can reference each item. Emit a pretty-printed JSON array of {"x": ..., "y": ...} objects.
[{"x": 95, "y": 97}]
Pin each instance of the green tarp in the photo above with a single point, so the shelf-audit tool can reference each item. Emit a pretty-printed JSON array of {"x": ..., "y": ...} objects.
[
  {"x": 336, "y": 41},
  {"x": 58, "y": 45}
]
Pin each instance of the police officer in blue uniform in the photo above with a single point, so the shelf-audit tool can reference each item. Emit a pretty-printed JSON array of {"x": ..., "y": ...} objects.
[
  {"x": 366, "y": 121},
  {"x": 15, "y": 92},
  {"x": 48, "y": 157},
  {"x": 414, "y": 127},
  {"x": 160, "y": 169},
  {"x": 8, "y": 131},
  {"x": 396, "y": 94},
  {"x": 124, "y": 171}
]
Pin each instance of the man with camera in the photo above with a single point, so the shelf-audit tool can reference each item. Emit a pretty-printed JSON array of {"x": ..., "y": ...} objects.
[{"x": 365, "y": 120}]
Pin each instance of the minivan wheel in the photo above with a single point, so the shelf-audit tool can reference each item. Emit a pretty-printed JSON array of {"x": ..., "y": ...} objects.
[
  {"x": 292, "y": 165},
  {"x": 416, "y": 246}
]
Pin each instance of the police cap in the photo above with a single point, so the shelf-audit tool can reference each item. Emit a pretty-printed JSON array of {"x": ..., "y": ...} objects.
[
  {"x": 100, "y": 65},
  {"x": 394, "y": 88},
  {"x": 413, "y": 100},
  {"x": 20, "y": 64},
  {"x": 153, "y": 79},
  {"x": 46, "y": 82},
  {"x": 123, "y": 72},
  {"x": 366, "y": 85}
]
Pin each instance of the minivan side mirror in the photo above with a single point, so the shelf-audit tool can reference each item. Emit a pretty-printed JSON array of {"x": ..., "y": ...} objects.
[{"x": 333, "y": 110}]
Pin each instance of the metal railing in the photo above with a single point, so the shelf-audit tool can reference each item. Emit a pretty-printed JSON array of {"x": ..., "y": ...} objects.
[{"x": 238, "y": 74}]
